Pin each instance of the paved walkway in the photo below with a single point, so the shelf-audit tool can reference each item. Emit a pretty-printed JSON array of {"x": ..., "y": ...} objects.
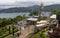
[{"x": 26, "y": 31}]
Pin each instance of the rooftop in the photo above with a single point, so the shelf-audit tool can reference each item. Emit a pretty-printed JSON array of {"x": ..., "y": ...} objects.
[
  {"x": 53, "y": 16},
  {"x": 42, "y": 21},
  {"x": 32, "y": 19},
  {"x": 40, "y": 25}
]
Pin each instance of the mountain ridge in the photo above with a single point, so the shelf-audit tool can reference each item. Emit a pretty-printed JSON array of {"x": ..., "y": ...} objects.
[{"x": 30, "y": 8}]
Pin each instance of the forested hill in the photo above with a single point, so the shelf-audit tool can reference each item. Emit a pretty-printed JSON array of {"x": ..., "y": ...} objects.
[
  {"x": 29, "y": 9},
  {"x": 52, "y": 7}
]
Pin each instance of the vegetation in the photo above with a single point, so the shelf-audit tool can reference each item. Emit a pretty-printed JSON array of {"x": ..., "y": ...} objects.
[
  {"x": 34, "y": 13},
  {"x": 43, "y": 18},
  {"x": 56, "y": 12},
  {"x": 7, "y": 21},
  {"x": 15, "y": 9},
  {"x": 28, "y": 9},
  {"x": 5, "y": 30},
  {"x": 41, "y": 34},
  {"x": 8, "y": 26}
]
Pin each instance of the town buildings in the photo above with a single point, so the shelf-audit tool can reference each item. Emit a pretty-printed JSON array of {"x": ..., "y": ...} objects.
[{"x": 55, "y": 30}]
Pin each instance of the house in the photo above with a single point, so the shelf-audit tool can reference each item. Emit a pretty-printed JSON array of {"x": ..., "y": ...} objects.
[
  {"x": 53, "y": 16},
  {"x": 53, "y": 19},
  {"x": 21, "y": 25},
  {"x": 55, "y": 29},
  {"x": 41, "y": 24}
]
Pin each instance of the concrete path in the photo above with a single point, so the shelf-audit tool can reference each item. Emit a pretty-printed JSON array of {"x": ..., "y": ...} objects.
[{"x": 26, "y": 31}]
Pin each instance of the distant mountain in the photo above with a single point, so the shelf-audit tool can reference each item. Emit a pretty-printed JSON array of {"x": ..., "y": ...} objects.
[
  {"x": 1, "y": 8},
  {"x": 30, "y": 8},
  {"x": 52, "y": 7}
]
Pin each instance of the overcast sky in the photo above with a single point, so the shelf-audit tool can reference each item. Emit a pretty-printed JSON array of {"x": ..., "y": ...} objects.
[
  {"x": 27, "y": 2},
  {"x": 12, "y": 1}
]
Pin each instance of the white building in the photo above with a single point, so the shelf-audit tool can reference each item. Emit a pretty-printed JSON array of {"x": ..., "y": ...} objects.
[
  {"x": 21, "y": 25},
  {"x": 53, "y": 16},
  {"x": 42, "y": 23},
  {"x": 32, "y": 19}
]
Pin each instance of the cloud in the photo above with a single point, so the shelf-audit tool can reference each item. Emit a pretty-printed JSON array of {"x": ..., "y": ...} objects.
[
  {"x": 7, "y": 1},
  {"x": 57, "y": 1},
  {"x": 13, "y": 1},
  {"x": 27, "y": 2}
]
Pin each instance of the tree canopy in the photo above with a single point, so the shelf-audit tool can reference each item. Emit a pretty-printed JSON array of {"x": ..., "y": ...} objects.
[
  {"x": 34, "y": 13},
  {"x": 7, "y": 21},
  {"x": 56, "y": 12}
]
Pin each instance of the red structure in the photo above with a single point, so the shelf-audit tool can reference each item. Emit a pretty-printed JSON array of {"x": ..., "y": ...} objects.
[{"x": 41, "y": 27}]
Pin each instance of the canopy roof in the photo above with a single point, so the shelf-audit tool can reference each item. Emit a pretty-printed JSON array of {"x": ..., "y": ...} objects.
[{"x": 32, "y": 19}]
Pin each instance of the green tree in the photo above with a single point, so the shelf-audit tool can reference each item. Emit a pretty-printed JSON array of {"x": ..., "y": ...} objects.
[
  {"x": 18, "y": 18},
  {"x": 10, "y": 21},
  {"x": 3, "y": 22},
  {"x": 56, "y": 12},
  {"x": 33, "y": 13}
]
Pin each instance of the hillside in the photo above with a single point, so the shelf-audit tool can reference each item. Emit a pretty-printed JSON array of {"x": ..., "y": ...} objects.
[
  {"x": 29, "y": 9},
  {"x": 52, "y": 7}
]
